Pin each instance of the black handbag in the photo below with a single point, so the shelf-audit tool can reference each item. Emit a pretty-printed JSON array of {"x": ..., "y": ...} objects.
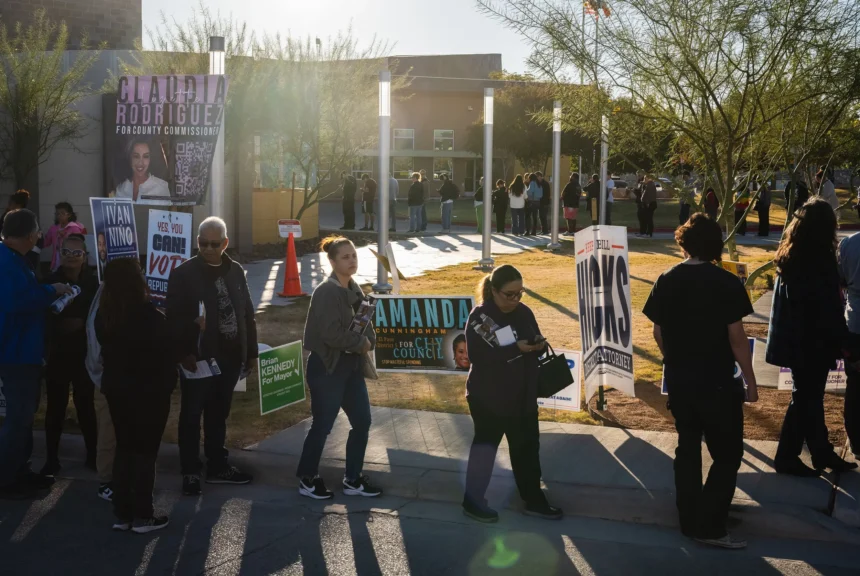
[{"x": 553, "y": 374}]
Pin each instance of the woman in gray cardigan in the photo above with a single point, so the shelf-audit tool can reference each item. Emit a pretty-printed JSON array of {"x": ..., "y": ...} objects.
[{"x": 335, "y": 374}]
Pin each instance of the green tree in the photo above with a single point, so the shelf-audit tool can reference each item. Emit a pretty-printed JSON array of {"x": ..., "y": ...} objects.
[{"x": 38, "y": 97}]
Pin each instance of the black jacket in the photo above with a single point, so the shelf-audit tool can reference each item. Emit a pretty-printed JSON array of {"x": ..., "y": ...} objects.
[
  {"x": 479, "y": 194},
  {"x": 571, "y": 194},
  {"x": 546, "y": 199},
  {"x": 189, "y": 285},
  {"x": 349, "y": 188},
  {"x": 449, "y": 191},
  {"x": 592, "y": 189},
  {"x": 369, "y": 194},
  {"x": 416, "y": 194},
  {"x": 500, "y": 200},
  {"x": 71, "y": 344}
]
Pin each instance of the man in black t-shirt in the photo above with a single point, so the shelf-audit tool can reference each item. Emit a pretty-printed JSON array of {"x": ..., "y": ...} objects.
[{"x": 699, "y": 354}]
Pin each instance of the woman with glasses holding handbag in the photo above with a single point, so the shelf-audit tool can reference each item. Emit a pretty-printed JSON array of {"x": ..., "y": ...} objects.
[{"x": 504, "y": 344}]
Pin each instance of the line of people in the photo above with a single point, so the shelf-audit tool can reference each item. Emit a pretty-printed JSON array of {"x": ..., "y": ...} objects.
[{"x": 119, "y": 353}]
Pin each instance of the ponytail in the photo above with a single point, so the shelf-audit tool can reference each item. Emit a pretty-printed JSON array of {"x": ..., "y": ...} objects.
[
  {"x": 485, "y": 289},
  {"x": 500, "y": 276}
]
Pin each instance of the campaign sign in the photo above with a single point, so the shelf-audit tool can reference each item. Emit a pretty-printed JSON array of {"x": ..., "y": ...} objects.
[
  {"x": 115, "y": 230},
  {"x": 836, "y": 379},
  {"x": 605, "y": 315},
  {"x": 422, "y": 334},
  {"x": 569, "y": 398},
  {"x": 169, "y": 246},
  {"x": 282, "y": 377}
]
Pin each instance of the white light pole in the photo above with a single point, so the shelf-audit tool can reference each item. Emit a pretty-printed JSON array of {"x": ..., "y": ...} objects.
[
  {"x": 216, "y": 182},
  {"x": 486, "y": 262},
  {"x": 556, "y": 172},
  {"x": 604, "y": 163},
  {"x": 382, "y": 286}
]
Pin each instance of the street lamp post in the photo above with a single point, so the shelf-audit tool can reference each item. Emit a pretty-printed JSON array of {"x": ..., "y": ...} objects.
[
  {"x": 486, "y": 262},
  {"x": 382, "y": 286},
  {"x": 556, "y": 173},
  {"x": 216, "y": 182},
  {"x": 604, "y": 164}
]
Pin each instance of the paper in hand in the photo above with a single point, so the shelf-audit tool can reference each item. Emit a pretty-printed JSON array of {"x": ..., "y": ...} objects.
[
  {"x": 505, "y": 336},
  {"x": 364, "y": 316}
]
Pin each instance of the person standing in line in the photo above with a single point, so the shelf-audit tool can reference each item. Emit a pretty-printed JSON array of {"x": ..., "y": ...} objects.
[
  {"x": 826, "y": 189},
  {"x": 500, "y": 205},
  {"x": 849, "y": 272},
  {"x": 415, "y": 201},
  {"x": 211, "y": 318},
  {"x": 802, "y": 194},
  {"x": 687, "y": 195},
  {"x": 17, "y": 201},
  {"x": 368, "y": 199},
  {"x": 570, "y": 198},
  {"x": 742, "y": 202},
  {"x": 517, "y": 199},
  {"x": 712, "y": 204},
  {"x": 638, "y": 191},
  {"x": 592, "y": 190},
  {"x": 139, "y": 376},
  {"x": 335, "y": 374},
  {"x": 534, "y": 193},
  {"x": 106, "y": 436},
  {"x": 67, "y": 352},
  {"x": 806, "y": 334},
  {"x": 448, "y": 193},
  {"x": 393, "y": 193},
  {"x": 65, "y": 224},
  {"x": 349, "y": 187},
  {"x": 610, "y": 199},
  {"x": 479, "y": 205},
  {"x": 649, "y": 201},
  {"x": 425, "y": 182},
  {"x": 545, "y": 202},
  {"x": 704, "y": 396},
  {"x": 501, "y": 390},
  {"x": 763, "y": 209},
  {"x": 22, "y": 332}
]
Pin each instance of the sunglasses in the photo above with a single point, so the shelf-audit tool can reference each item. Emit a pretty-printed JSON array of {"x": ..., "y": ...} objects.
[
  {"x": 203, "y": 244},
  {"x": 70, "y": 252},
  {"x": 517, "y": 295}
]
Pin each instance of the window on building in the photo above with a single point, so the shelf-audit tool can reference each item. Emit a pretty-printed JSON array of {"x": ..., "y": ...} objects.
[
  {"x": 443, "y": 140},
  {"x": 402, "y": 168},
  {"x": 362, "y": 165},
  {"x": 443, "y": 166},
  {"x": 404, "y": 139}
]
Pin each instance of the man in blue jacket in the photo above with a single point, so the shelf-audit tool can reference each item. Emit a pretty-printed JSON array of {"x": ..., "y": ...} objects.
[{"x": 23, "y": 304}]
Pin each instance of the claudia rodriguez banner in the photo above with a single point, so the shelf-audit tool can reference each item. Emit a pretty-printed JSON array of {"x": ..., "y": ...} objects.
[
  {"x": 422, "y": 334},
  {"x": 159, "y": 137}
]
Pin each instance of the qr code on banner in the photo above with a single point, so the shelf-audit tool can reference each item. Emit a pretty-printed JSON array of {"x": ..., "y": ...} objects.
[{"x": 193, "y": 160}]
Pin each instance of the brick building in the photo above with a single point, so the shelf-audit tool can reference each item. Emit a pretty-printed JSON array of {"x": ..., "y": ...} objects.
[{"x": 116, "y": 22}]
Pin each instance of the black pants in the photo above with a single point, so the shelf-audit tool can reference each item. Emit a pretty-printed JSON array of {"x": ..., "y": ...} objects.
[
  {"x": 65, "y": 369},
  {"x": 718, "y": 415},
  {"x": 571, "y": 225},
  {"x": 524, "y": 442},
  {"x": 349, "y": 213},
  {"x": 139, "y": 420},
  {"x": 532, "y": 216},
  {"x": 640, "y": 217},
  {"x": 804, "y": 419},
  {"x": 852, "y": 407},
  {"x": 764, "y": 221},
  {"x": 500, "y": 222},
  {"x": 683, "y": 214},
  {"x": 543, "y": 211},
  {"x": 210, "y": 398},
  {"x": 648, "y": 216},
  {"x": 609, "y": 213},
  {"x": 739, "y": 217}
]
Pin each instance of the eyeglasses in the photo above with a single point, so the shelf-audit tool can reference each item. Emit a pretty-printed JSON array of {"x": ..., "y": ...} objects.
[
  {"x": 517, "y": 295},
  {"x": 70, "y": 252},
  {"x": 203, "y": 244}
]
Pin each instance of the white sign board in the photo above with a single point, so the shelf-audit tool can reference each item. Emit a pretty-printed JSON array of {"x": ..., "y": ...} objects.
[
  {"x": 287, "y": 227},
  {"x": 836, "y": 379},
  {"x": 169, "y": 246},
  {"x": 605, "y": 315},
  {"x": 569, "y": 398}
]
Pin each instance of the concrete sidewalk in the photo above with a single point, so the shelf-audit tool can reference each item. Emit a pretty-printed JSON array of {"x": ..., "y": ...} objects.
[{"x": 602, "y": 472}]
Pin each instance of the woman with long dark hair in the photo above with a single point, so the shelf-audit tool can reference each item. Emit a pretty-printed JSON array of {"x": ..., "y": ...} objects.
[
  {"x": 139, "y": 376},
  {"x": 139, "y": 181},
  {"x": 504, "y": 343},
  {"x": 517, "y": 199},
  {"x": 806, "y": 334}
]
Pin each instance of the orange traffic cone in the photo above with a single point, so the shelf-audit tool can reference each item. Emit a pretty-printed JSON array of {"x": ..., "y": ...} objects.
[{"x": 292, "y": 282}]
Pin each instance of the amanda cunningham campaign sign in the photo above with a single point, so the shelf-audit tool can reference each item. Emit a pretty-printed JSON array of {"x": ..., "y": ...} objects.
[
  {"x": 115, "y": 230},
  {"x": 422, "y": 333}
]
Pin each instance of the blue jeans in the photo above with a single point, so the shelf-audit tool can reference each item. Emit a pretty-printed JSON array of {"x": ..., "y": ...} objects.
[
  {"x": 392, "y": 215},
  {"x": 447, "y": 209},
  {"x": 415, "y": 218},
  {"x": 346, "y": 389},
  {"x": 518, "y": 220},
  {"x": 22, "y": 388},
  {"x": 423, "y": 222}
]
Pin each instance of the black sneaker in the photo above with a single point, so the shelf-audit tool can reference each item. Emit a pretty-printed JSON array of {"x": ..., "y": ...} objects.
[
  {"x": 191, "y": 485},
  {"x": 480, "y": 513},
  {"x": 361, "y": 487},
  {"x": 795, "y": 467},
  {"x": 230, "y": 475},
  {"x": 314, "y": 488},
  {"x": 106, "y": 492},
  {"x": 150, "y": 524},
  {"x": 51, "y": 468},
  {"x": 542, "y": 509}
]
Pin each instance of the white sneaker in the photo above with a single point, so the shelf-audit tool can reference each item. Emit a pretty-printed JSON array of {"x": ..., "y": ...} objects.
[
  {"x": 150, "y": 524},
  {"x": 725, "y": 542},
  {"x": 106, "y": 492},
  {"x": 121, "y": 526},
  {"x": 361, "y": 487},
  {"x": 314, "y": 488}
]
